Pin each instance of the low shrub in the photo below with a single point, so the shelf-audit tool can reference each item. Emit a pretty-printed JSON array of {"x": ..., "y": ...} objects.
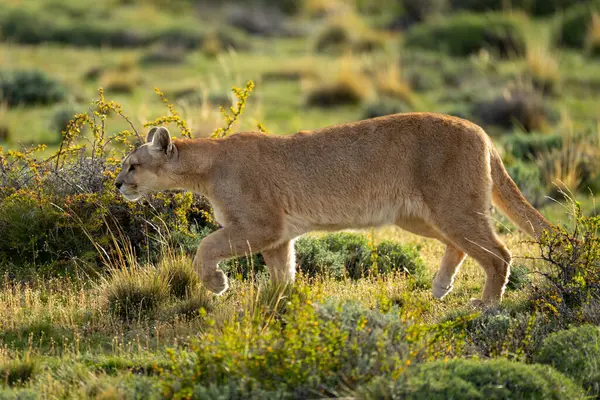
[
  {"x": 350, "y": 255},
  {"x": 528, "y": 178},
  {"x": 576, "y": 353},
  {"x": 419, "y": 10},
  {"x": 17, "y": 372},
  {"x": 163, "y": 54},
  {"x": 529, "y": 146},
  {"x": 572, "y": 276},
  {"x": 465, "y": 34},
  {"x": 29, "y": 87},
  {"x": 348, "y": 88},
  {"x": 533, "y": 7},
  {"x": 475, "y": 379},
  {"x": 311, "y": 350},
  {"x": 384, "y": 106},
  {"x": 349, "y": 33},
  {"x": 135, "y": 293},
  {"x": 542, "y": 69},
  {"x": 524, "y": 108},
  {"x": 575, "y": 25},
  {"x": 36, "y": 24},
  {"x": 258, "y": 21}
]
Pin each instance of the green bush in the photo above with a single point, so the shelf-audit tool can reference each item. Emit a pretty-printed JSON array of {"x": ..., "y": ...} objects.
[
  {"x": 347, "y": 254},
  {"x": 528, "y": 146},
  {"x": 576, "y": 353},
  {"x": 310, "y": 351},
  {"x": 575, "y": 25},
  {"x": 465, "y": 34},
  {"x": 31, "y": 87},
  {"x": 474, "y": 379},
  {"x": 528, "y": 178},
  {"x": 533, "y": 7}
]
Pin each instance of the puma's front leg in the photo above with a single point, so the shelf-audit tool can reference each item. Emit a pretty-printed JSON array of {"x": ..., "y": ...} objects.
[{"x": 228, "y": 242}]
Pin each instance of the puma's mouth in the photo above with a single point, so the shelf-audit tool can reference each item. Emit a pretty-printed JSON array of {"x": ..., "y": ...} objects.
[{"x": 130, "y": 193}]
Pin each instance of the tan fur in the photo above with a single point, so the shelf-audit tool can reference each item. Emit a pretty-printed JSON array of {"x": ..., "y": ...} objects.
[{"x": 431, "y": 174}]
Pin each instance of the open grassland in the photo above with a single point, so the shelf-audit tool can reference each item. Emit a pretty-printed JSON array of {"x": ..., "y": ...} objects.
[{"x": 98, "y": 298}]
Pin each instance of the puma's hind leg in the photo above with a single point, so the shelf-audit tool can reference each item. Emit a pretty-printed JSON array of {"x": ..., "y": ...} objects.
[
  {"x": 281, "y": 262},
  {"x": 474, "y": 236},
  {"x": 444, "y": 278}
]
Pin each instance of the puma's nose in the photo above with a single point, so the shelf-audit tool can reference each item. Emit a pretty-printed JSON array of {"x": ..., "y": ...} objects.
[{"x": 118, "y": 184}]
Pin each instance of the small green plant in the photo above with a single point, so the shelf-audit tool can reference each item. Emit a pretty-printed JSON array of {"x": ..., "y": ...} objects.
[{"x": 576, "y": 353}]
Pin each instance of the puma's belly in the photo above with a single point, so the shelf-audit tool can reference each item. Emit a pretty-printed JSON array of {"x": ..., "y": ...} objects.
[{"x": 355, "y": 215}]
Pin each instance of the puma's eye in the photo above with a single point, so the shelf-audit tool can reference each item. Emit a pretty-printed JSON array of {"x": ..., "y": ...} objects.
[{"x": 132, "y": 167}]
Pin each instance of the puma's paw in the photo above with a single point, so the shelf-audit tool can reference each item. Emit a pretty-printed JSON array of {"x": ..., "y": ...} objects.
[
  {"x": 215, "y": 282},
  {"x": 440, "y": 290},
  {"x": 483, "y": 305}
]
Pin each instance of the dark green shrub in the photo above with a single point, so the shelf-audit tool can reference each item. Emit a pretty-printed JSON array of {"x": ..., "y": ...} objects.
[
  {"x": 348, "y": 89},
  {"x": 385, "y": 107},
  {"x": 192, "y": 306},
  {"x": 519, "y": 277},
  {"x": 392, "y": 256},
  {"x": 34, "y": 26},
  {"x": 475, "y": 379},
  {"x": 523, "y": 108},
  {"x": 17, "y": 372},
  {"x": 465, "y": 34},
  {"x": 60, "y": 120},
  {"x": 346, "y": 254},
  {"x": 314, "y": 257},
  {"x": 576, "y": 24},
  {"x": 29, "y": 88},
  {"x": 576, "y": 353},
  {"x": 528, "y": 178},
  {"x": 528, "y": 146},
  {"x": 533, "y": 7},
  {"x": 421, "y": 10}
]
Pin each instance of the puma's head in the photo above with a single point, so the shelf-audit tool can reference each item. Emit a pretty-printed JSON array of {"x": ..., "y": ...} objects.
[{"x": 149, "y": 167}]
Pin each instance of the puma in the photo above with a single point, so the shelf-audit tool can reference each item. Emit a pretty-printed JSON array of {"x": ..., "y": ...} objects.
[{"x": 431, "y": 174}]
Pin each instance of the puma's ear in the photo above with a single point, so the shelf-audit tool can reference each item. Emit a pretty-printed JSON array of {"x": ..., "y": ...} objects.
[
  {"x": 151, "y": 133},
  {"x": 161, "y": 141}
]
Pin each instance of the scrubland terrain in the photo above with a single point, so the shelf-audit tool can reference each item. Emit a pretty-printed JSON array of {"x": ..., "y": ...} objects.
[{"x": 98, "y": 297}]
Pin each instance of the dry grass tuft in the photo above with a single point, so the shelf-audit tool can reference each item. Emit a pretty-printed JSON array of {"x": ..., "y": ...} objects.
[
  {"x": 390, "y": 82},
  {"x": 543, "y": 68},
  {"x": 349, "y": 87},
  {"x": 593, "y": 39}
]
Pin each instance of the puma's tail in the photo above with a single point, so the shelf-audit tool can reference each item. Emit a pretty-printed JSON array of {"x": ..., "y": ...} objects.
[{"x": 509, "y": 199}]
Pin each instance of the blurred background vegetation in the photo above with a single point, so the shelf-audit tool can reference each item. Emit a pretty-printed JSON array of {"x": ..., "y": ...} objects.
[{"x": 95, "y": 288}]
